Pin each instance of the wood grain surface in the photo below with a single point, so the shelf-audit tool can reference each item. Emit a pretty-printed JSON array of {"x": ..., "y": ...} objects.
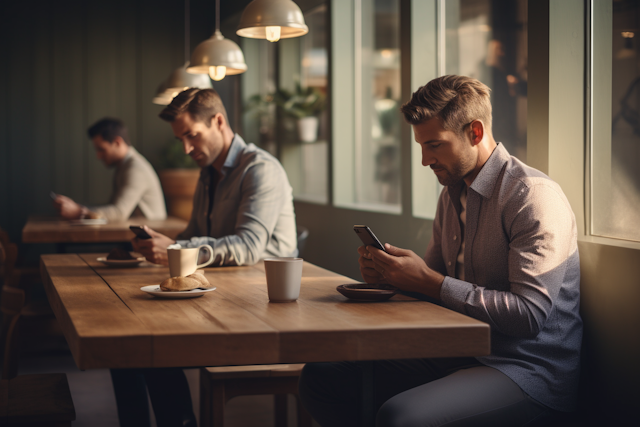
[
  {"x": 43, "y": 229},
  {"x": 109, "y": 322}
]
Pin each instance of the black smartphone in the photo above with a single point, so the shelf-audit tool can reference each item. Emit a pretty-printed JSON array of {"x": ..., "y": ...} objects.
[
  {"x": 139, "y": 232},
  {"x": 367, "y": 236}
]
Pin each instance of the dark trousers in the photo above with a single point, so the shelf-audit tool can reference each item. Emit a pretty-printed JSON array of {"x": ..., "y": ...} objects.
[
  {"x": 418, "y": 393},
  {"x": 169, "y": 392}
]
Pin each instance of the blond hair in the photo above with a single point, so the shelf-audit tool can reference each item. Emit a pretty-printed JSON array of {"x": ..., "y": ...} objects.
[
  {"x": 201, "y": 104},
  {"x": 455, "y": 100}
]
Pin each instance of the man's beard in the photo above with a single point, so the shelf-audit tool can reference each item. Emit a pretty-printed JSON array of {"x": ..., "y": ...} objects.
[
  {"x": 457, "y": 173},
  {"x": 450, "y": 178}
]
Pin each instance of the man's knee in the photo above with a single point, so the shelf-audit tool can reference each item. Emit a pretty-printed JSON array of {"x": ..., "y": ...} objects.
[{"x": 396, "y": 412}]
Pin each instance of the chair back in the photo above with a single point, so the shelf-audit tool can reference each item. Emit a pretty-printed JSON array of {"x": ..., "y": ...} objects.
[
  {"x": 8, "y": 257},
  {"x": 11, "y": 303},
  {"x": 303, "y": 234}
]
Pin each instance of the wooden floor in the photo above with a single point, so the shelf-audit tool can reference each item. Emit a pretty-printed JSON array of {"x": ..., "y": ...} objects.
[{"x": 95, "y": 404}]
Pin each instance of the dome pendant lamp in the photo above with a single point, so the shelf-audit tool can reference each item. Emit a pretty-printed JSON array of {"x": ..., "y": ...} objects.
[
  {"x": 162, "y": 97},
  {"x": 272, "y": 20},
  {"x": 217, "y": 56},
  {"x": 179, "y": 79}
]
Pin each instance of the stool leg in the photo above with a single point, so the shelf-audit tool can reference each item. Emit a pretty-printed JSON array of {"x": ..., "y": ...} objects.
[
  {"x": 281, "y": 413},
  {"x": 205, "y": 399},
  {"x": 219, "y": 398}
]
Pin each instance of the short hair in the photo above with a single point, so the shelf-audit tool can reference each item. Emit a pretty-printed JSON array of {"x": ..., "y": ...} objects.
[
  {"x": 201, "y": 104},
  {"x": 109, "y": 128},
  {"x": 456, "y": 100}
]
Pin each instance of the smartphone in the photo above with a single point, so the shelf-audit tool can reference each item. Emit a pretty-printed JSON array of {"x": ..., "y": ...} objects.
[
  {"x": 139, "y": 232},
  {"x": 367, "y": 236}
]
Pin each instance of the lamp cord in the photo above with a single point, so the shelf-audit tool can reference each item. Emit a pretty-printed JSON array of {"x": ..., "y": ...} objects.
[
  {"x": 187, "y": 31},
  {"x": 217, "y": 15}
]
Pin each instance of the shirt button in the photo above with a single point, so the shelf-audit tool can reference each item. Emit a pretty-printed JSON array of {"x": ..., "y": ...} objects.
[
  {"x": 449, "y": 263},
  {"x": 455, "y": 237}
]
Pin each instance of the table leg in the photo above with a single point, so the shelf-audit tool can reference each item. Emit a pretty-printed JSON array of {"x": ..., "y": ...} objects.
[{"x": 367, "y": 415}]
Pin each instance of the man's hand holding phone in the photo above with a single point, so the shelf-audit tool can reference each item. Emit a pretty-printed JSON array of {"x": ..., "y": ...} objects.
[
  {"x": 66, "y": 207},
  {"x": 398, "y": 267},
  {"x": 367, "y": 265},
  {"x": 154, "y": 248},
  {"x": 368, "y": 268}
]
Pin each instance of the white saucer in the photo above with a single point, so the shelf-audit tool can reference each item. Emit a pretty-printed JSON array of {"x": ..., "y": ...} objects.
[
  {"x": 121, "y": 263},
  {"x": 157, "y": 292}
]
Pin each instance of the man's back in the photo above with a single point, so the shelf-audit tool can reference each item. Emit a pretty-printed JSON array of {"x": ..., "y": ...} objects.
[{"x": 136, "y": 190}]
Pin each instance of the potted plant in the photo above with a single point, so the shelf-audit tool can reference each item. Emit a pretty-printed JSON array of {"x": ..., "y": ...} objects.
[
  {"x": 178, "y": 177},
  {"x": 304, "y": 104}
]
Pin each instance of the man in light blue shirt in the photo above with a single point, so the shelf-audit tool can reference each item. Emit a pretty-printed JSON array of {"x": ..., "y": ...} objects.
[
  {"x": 243, "y": 205},
  {"x": 243, "y": 208}
]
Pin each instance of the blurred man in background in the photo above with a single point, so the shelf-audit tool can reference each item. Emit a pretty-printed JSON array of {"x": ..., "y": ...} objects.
[{"x": 136, "y": 187}]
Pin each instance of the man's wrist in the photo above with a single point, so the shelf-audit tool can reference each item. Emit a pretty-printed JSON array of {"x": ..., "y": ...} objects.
[
  {"x": 436, "y": 280},
  {"x": 84, "y": 211}
]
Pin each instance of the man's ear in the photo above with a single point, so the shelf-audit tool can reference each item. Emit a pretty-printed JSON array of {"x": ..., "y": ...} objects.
[
  {"x": 119, "y": 140},
  {"x": 218, "y": 120},
  {"x": 476, "y": 131}
]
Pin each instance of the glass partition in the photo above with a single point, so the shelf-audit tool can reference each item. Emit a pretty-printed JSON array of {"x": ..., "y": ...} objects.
[
  {"x": 484, "y": 39},
  {"x": 366, "y": 97},
  {"x": 303, "y": 73},
  {"x": 615, "y": 118},
  {"x": 285, "y": 97},
  {"x": 487, "y": 40}
]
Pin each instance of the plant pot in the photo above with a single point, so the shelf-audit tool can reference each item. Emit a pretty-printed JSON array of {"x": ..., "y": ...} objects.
[
  {"x": 178, "y": 186},
  {"x": 308, "y": 129}
]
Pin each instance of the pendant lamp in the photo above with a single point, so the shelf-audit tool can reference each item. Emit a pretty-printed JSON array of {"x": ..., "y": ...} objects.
[
  {"x": 272, "y": 20},
  {"x": 180, "y": 79},
  {"x": 162, "y": 97},
  {"x": 217, "y": 56}
]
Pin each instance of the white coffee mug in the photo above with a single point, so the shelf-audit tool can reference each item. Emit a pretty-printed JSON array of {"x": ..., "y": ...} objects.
[
  {"x": 184, "y": 261},
  {"x": 283, "y": 278}
]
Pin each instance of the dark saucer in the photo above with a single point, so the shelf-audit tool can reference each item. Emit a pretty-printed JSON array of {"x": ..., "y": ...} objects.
[{"x": 367, "y": 292}]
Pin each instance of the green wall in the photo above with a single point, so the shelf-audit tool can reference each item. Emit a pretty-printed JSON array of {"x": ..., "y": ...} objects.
[{"x": 68, "y": 63}]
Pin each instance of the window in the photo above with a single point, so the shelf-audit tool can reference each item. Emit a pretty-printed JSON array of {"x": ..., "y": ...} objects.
[
  {"x": 277, "y": 113},
  {"x": 484, "y": 39},
  {"x": 487, "y": 40},
  {"x": 615, "y": 132},
  {"x": 366, "y": 97}
]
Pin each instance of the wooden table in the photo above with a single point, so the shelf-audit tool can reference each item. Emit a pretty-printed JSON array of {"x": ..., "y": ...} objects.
[
  {"x": 43, "y": 229},
  {"x": 110, "y": 323}
]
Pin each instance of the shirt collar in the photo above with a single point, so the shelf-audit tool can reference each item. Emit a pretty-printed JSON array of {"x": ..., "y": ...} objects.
[
  {"x": 487, "y": 178},
  {"x": 127, "y": 156},
  {"x": 233, "y": 156}
]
